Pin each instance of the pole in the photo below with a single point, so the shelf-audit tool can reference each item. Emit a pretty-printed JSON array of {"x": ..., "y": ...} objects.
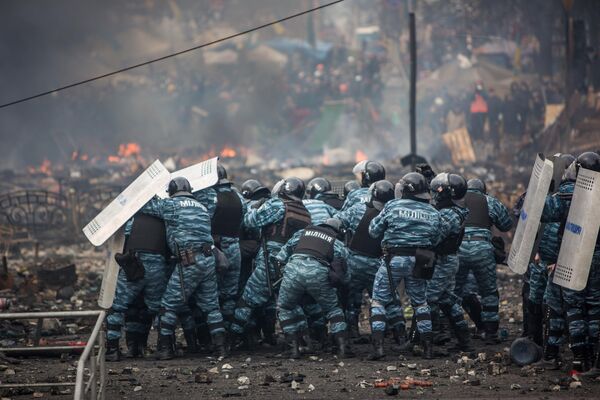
[{"x": 413, "y": 89}]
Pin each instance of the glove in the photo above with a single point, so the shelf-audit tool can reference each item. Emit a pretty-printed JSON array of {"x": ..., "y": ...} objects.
[{"x": 222, "y": 263}]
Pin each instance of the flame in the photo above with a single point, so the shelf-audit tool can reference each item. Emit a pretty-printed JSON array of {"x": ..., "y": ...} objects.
[
  {"x": 45, "y": 168},
  {"x": 114, "y": 159},
  {"x": 228, "y": 152},
  {"x": 325, "y": 160},
  {"x": 360, "y": 156},
  {"x": 129, "y": 149}
]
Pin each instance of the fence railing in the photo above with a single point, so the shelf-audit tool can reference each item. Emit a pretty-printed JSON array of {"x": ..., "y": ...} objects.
[{"x": 92, "y": 358}]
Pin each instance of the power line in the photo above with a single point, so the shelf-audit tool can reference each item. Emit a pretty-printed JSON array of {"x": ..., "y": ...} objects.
[{"x": 69, "y": 86}]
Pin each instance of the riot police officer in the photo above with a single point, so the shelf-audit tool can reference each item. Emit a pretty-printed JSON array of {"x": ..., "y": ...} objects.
[
  {"x": 582, "y": 307},
  {"x": 319, "y": 210},
  {"x": 476, "y": 252},
  {"x": 410, "y": 227},
  {"x": 143, "y": 272},
  {"x": 189, "y": 238},
  {"x": 366, "y": 172},
  {"x": 278, "y": 218},
  {"x": 320, "y": 189},
  {"x": 364, "y": 253},
  {"x": 310, "y": 256},
  {"x": 448, "y": 192}
]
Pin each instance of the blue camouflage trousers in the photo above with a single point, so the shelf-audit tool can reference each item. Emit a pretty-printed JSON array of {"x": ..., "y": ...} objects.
[
  {"x": 385, "y": 309},
  {"x": 538, "y": 278},
  {"x": 304, "y": 275},
  {"x": 229, "y": 281},
  {"x": 440, "y": 291},
  {"x": 197, "y": 281},
  {"x": 555, "y": 318},
  {"x": 256, "y": 292},
  {"x": 478, "y": 256},
  {"x": 151, "y": 287},
  {"x": 583, "y": 309},
  {"x": 362, "y": 274}
]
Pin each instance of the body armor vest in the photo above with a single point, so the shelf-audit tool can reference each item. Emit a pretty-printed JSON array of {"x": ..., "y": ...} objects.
[
  {"x": 333, "y": 201},
  {"x": 361, "y": 242},
  {"x": 296, "y": 217},
  {"x": 148, "y": 234},
  {"x": 317, "y": 242},
  {"x": 451, "y": 244},
  {"x": 479, "y": 213},
  {"x": 227, "y": 219}
]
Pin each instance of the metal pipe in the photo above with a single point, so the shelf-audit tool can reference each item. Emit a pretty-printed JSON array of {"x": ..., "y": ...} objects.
[
  {"x": 86, "y": 354},
  {"x": 51, "y": 314},
  {"x": 413, "y": 88}
]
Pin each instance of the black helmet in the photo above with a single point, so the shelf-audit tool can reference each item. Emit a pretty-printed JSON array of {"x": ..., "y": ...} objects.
[
  {"x": 317, "y": 186},
  {"x": 350, "y": 186},
  {"x": 290, "y": 188},
  {"x": 447, "y": 186},
  {"x": 426, "y": 171},
  {"x": 369, "y": 172},
  {"x": 332, "y": 223},
  {"x": 414, "y": 186},
  {"x": 561, "y": 163},
  {"x": 179, "y": 185},
  {"x": 477, "y": 184},
  {"x": 254, "y": 190},
  {"x": 222, "y": 173},
  {"x": 588, "y": 160},
  {"x": 381, "y": 192}
]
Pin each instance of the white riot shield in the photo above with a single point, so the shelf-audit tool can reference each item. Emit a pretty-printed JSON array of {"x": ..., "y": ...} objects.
[
  {"x": 127, "y": 203},
  {"x": 111, "y": 270},
  {"x": 531, "y": 213},
  {"x": 581, "y": 232},
  {"x": 200, "y": 176}
]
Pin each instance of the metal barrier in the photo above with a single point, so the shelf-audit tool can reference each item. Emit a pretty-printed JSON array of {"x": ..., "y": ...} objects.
[{"x": 93, "y": 354}]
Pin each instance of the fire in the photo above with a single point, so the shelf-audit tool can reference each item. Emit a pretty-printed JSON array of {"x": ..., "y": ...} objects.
[
  {"x": 44, "y": 168},
  {"x": 228, "y": 152},
  {"x": 129, "y": 149},
  {"x": 114, "y": 159},
  {"x": 325, "y": 160},
  {"x": 360, "y": 156}
]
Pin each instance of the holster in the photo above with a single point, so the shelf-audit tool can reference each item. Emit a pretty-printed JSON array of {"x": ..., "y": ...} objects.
[
  {"x": 337, "y": 273},
  {"x": 132, "y": 266},
  {"x": 424, "y": 264},
  {"x": 187, "y": 257}
]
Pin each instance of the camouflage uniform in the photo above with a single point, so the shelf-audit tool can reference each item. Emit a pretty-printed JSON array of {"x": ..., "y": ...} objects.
[
  {"x": 151, "y": 287},
  {"x": 356, "y": 196},
  {"x": 256, "y": 292},
  {"x": 188, "y": 228},
  {"x": 362, "y": 268},
  {"x": 228, "y": 282},
  {"x": 582, "y": 307},
  {"x": 476, "y": 254},
  {"x": 406, "y": 224},
  {"x": 304, "y": 274},
  {"x": 440, "y": 289}
]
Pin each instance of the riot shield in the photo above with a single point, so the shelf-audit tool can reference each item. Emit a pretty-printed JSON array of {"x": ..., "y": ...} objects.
[
  {"x": 200, "y": 176},
  {"x": 581, "y": 232},
  {"x": 111, "y": 270},
  {"x": 531, "y": 213},
  {"x": 109, "y": 220}
]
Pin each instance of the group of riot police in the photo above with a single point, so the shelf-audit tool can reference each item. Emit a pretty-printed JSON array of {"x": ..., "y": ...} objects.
[{"x": 233, "y": 267}]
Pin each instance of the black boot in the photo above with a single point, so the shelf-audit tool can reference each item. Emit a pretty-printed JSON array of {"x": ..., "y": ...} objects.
[
  {"x": 491, "y": 333},
  {"x": 412, "y": 339},
  {"x": 427, "y": 343},
  {"x": 343, "y": 348},
  {"x": 191, "y": 339},
  {"x": 550, "y": 360},
  {"x": 353, "y": 331},
  {"x": 268, "y": 329},
  {"x": 377, "y": 352},
  {"x": 472, "y": 306},
  {"x": 535, "y": 323},
  {"x": 113, "y": 352},
  {"x": 136, "y": 345},
  {"x": 463, "y": 338},
  {"x": 218, "y": 340},
  {"x": 291, "y": 341},
  {"x": 165, "y": 348},
  {"x": 319, "y": 336},
  {"x": 305, "y": 344},
  {"x": 594, "y": 371},
  {"x": 202, "y": 337},
  {"x": 399, "y": 333},
  {"x": 578, "y": 365}
]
